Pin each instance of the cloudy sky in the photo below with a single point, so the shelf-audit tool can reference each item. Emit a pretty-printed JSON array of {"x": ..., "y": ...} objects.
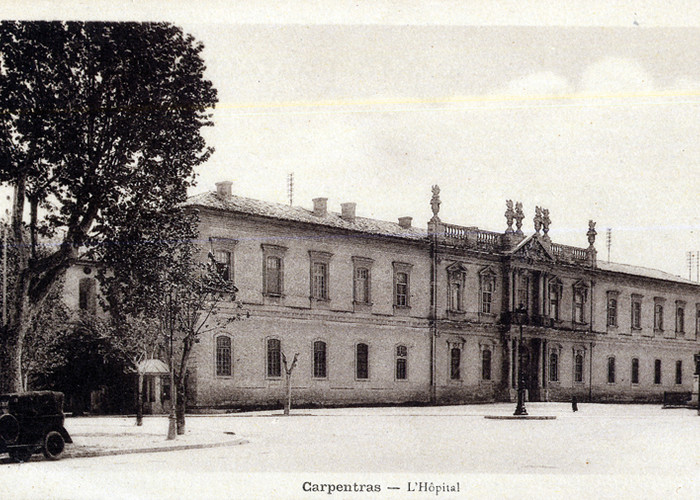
[{"x": 592, "y": 114}]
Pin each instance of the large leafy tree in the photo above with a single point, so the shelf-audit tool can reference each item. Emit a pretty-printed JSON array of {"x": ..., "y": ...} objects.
[{"x": 98, "y": 122}]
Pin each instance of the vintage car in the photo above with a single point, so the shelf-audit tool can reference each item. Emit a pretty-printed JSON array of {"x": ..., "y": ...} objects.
[{"x": 30, "y": 422}]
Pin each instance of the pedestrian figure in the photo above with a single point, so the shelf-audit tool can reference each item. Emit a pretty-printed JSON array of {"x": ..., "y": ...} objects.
[{"x": 574, "y": 403}]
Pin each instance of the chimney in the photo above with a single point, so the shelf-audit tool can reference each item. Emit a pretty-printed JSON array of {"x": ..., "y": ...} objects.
[
  {"x": 348, "y": 211},
  {"x": 320, "y": 207},
  {"x": 405, "y": 222},
  {"x": 223, "y": 189}
]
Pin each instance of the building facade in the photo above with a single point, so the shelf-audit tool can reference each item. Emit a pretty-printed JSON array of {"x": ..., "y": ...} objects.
[{"x": 386, "y": 313}]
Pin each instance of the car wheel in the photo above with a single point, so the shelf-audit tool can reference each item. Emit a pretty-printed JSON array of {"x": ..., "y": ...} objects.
[
  {"x": 9, "y": 429},
  {"x": 20, "y": 455},
  {"x": 54, "y": 444}
]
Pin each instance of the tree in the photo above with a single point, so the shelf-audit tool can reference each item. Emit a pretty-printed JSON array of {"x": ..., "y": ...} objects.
[
  {"x": 98, "y": 121},
  {"x": 288, "y": 373}
]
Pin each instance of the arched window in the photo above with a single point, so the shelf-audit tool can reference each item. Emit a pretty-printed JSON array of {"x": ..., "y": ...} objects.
[
  {"x": 658, "y": 317},
  {"x": 319, "y": 359},
  {"x": 578, "y": 367},
  {"x": 401, "y": 362},
  {"x": 87, "y": 295},
  {"x": 362, "y": 361},
  {"x": 486, "y": 364},
  {"x": 223, "y": 356},
  {"x": 274, "y": 358},
  {"x": 657, "y": 371},
  {"x": 635, "y": 370},
  {"x": 455, "y": 358},
  {"x": 554, "y": 366},
  {"x": 611, "y": 370}
]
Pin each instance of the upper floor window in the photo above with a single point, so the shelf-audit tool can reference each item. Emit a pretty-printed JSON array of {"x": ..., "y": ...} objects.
[
  {"x": 680, "y": 316},
  {"x": 274, "y": 358},
  {"x": 636, "y": 312},
  {"x": 401, "y": 362},
  {"x": 679, "y": 372},
  {"x": 554, "y": 291},
  {"x": 578, "y": 366},
  {"x": 362, "y": 280},
  {"x": 223, "y": 356},
  {"x": 635, "y": 370},
  {"x": 580, "y": 297},
  {"x": 697, "y": 319},
  {"x": 87, "y": 295},
  {"x": 612, "y": 309},
  {"x": 553, "y": 366},
  {"x": 273, "y": 270},
  {"x": 319, "y": 274},
  {"x": 487, "y": 280},
  {"x": 402, "y": 284},
  {"x": 362, "y": 361},
  {"x": 486, "y": 364},
  {"x": 524, "y": 290},
  {"x": 658, "y": 314},
  {"x": 455, "y": 360},
  {"x": 456, "y": 275},
  {"x": 657, "y": 371},
  {"x": 223, "y": 264},
  {"x": 319, "y": 359}
]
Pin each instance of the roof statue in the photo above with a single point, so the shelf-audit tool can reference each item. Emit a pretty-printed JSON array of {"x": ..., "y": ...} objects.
[
  {"x": 510, "y": 215},
  {"x": 519, "y": 216}
]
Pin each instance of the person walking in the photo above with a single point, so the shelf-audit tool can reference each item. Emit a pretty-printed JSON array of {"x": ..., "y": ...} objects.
[{"x": 574, "y": 403}]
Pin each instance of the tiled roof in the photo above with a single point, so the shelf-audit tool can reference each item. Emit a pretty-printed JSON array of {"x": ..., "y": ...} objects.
[
  {"x": 642, "y": 271},
  {"x": 279, "y": 211}
]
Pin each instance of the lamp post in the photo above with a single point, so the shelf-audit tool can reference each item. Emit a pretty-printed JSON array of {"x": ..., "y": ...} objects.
[
  {"x": 172, "y": 420},
  {"x": 521, "y": 317}
]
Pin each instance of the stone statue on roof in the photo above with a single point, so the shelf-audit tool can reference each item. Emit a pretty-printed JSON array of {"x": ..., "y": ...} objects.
[
  {"x": 537, "y": 219},
  {"x": 519, "y": 216},
  {"x": 591, "y": 232},
  {"x": 510, "y": 215},
  {"x": 435, "y": 203}
]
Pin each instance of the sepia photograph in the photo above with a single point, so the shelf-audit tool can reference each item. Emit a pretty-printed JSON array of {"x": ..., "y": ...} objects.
[{"x": 303, "y": 250}]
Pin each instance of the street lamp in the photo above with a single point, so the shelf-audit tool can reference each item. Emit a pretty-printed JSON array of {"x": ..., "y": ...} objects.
[{"x": 520, "y": 317}]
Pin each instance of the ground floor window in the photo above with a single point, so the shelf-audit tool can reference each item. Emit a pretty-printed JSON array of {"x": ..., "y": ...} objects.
[
  {"x": 455, "y": 358},
  {"x": 657, "y": 371},
  {"x": 319, "y": 359},
  {"x": 553, "y": 366},
  {"x": 362, "y": 361},
  {"x": 401, "y": 362},
  {"x": 223, "y": 356},
  {"x": 635, "y": 370},
  {"x": 611, "y": 370},
  {"x": 578, "y": 367},
  {"x": 679, "y": 372},
  {"x": 486, "y": 364},
  {"x": 274, "y": 356}
]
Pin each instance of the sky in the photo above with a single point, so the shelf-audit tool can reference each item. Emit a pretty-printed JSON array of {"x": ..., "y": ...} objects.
[{"x": 591, "y": 113}]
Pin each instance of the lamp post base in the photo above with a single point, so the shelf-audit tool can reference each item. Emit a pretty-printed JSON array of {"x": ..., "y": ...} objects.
[{"x": 172, "y": 427}]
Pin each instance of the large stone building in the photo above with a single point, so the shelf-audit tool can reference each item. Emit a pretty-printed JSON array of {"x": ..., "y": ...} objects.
[{"x": 383, "y": 312}]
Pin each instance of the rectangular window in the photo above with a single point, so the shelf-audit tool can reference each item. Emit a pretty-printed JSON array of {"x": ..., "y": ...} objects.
[
  {"x": 362, "y": 361},
  {"x": 658, "y": 317},
  {"x": 486, "y": 364},
  {"x": 636, "y": 319},
  {"x": 679, "y": 372},
  {"x": 579, "y": 306},
  {"x": 456, "y": 296},
  {"x": 274, "y": 358},
  {"x": 455, "y": 358},
  {"x": 273, "y": 270},
  {"x": 612, "y": 310},
  {"x": 87, "y": 295},
  {"x": 223, "y": 264},
  {"x": 635, "y": 370},
  {"x": 223, "y": 356},
  {"x": 319, "y": 359},
  {"x": 680, "y": 317},
  {"x": 401, "y": 362},
  {"x": 320, "y": 282},
  {"x": 657, "y": 371},
  {"x": 524, "y": 291},
  {"x": 486, "y": 294},
  {"x": 555, "y": 288},
  {"x": 401, "y": 289},
  {"x": 611, "y": 370},
  {"x": 362, "y": 285}
]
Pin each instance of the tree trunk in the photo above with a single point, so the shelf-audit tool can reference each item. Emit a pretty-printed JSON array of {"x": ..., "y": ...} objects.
[
  {"x": 139, "y": 401},
  {"x": 288, "y": 401},
  {"x": 180, "y": 407},
  {"x": 11, "y": 359}
]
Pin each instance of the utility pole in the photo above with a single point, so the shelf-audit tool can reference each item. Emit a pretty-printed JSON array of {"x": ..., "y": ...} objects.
[{"x": 608, "y": 240}]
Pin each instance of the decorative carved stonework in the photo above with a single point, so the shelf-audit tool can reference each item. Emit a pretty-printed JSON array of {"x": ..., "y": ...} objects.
[
  {"x": 533, "y": 251},
  {"x": 519, "y": 216},
  {"x": 510, "y": 215},
  {"x": 537, "y": 219},
  {"x": 435, "y": 203},
  {"x": 591, "y": 233},
  {"x": 545, "y": 222}
]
